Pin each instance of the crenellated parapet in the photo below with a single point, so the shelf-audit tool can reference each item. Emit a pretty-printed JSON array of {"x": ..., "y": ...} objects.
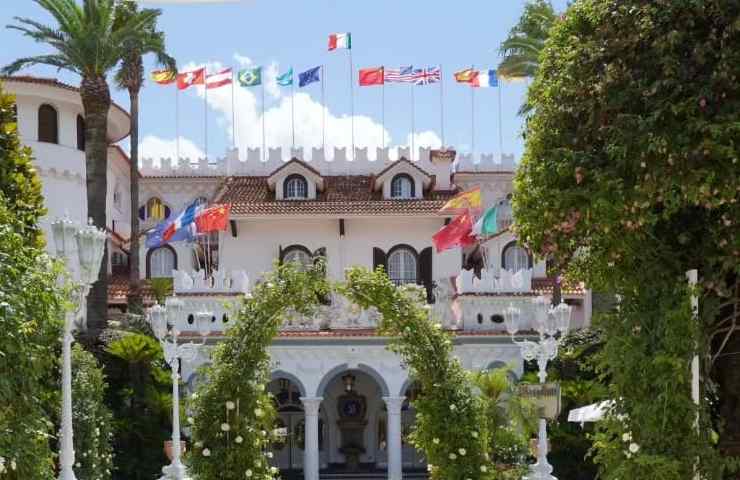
[
  {"x": 506, "y": 282},
  {"x": 220, "y": 282},
  {"x": 337, "y": 161}
]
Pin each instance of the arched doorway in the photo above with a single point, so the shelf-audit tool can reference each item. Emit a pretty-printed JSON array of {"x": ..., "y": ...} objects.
[{"x": 352, "y": 399}]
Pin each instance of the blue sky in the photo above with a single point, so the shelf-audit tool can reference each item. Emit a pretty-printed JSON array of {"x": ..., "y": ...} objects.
[{"x": 279, "y": 34}]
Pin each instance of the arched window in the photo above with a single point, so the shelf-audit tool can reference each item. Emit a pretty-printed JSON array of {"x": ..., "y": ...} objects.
[
  {"x": 295, "y": 187},
  {"x": 515, "y": 258},
  {"x": 48, "y": 124},
  {"x": 80, "y": 133},
  {"x": 298, "y": 254},
  {"x": 160, "y": 262},
  {"x": 402, "y": 186},
  {"x": 402, "y": 265},
  {"x": 154, "y": 209}
]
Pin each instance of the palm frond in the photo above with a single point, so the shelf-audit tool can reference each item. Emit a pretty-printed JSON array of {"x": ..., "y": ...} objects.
[{"x": 53, "y": 60}]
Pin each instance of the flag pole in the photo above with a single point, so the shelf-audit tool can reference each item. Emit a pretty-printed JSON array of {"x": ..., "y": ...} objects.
[
  {"x": 413, "y": 126},
  {"x": 351, "y": 95},
  {"x": 442, "y": 105},
  {"x": 233, "y": 111},
  {"x": 205, "y": 87},
  {"x": 292, "y": 106},
  {"x": 323, "y": 111},
  {"x": 177, "y": 123},
  {"x": 500, "y": 85},
  {"x": 472, "y": 117},
  {"x": 263, "y": 116},
  {"x": 382, "y": 110}
]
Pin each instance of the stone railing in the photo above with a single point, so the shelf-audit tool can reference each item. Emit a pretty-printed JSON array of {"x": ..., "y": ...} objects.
[
  {"x": 506, "y": 282},
  {"x": 338, "y": 161},
  {"x": 340, "y": 314},
  {"x": 219, "y": 282}
]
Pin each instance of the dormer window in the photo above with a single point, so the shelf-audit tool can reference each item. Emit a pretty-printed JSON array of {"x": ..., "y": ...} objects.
[
  {"x": 402, "y": 187},
  {"x": 295, "y": 187}
]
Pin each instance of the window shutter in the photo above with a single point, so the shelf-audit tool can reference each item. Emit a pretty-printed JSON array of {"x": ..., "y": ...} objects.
[
  {"x": 380, "y": 258},
  {"x": 142, "y": 213},
  {"x": 425, "y": 272},
  {"x": 281, "y": 254}
]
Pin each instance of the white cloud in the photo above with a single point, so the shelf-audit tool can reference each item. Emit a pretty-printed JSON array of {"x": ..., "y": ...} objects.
[
  {"x": 156, "y": 148},
  {"x": 309, "y": 117}
]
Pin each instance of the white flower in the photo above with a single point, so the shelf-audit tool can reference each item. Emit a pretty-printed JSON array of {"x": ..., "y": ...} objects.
[
  {"x": 627, "y": 454},
  {"x": 453, "y": 407},
  {"x": 194, "y": 395},
  {"x": 248, "y": 473},
  {"x": 191, "y": 420},
  {"x": 483, "y": 468},
  {"x": 453, "y": 456},
  {"x": 78, "y": 465},
  {"x": 462, "y": 451},
  {"x": 198, "y": 444},
  {"x": 627, "y": 437},
  {"x": 430, "y": 467},
  {"x": 634, "y": 448},
  {"x": 239, "y": 439},
  {"x": 258, "y": 412},
  {"x": 269, "y": 454},
  {"x": 435, "y": 440},
  {"x": 12, "y": 464},
  {"x": 206, "y": 452},
  {"x": 230, "y": 405},
  {"x": 274, "y": 469},
  {"x": 474, "y": 434},
  {"x": 225, "y": 427}
]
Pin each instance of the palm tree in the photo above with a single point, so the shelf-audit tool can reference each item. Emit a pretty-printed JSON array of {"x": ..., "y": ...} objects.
[
  {"x": 130, "y": 76},
  {"x": 89, "y": 42},
  {"x": 521, "y": 49}
]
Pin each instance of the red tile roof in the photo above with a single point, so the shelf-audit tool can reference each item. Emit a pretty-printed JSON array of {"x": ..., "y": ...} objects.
[
  {"x": 399, "y": 162},
  {"x": 342, "y": 195},
  {"x": 118, "y": 291}
]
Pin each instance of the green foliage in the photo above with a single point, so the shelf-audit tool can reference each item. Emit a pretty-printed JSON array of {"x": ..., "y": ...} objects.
[
  {"x": 161, "y": 287},
  {"x": 522, "y": 48},
  {"x": 139, "y": 395},
  {"x": 31, "y": 309},
  {"x": 233, "y": 414},
  {"x": 19, "y": 183},
  {"x": 451, "y": 425},
  {"x": 629, "y": 178},
  {"x": 92, "y": 420}
]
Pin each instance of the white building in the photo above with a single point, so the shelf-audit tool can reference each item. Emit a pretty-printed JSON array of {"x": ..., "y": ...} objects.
[{"x": 333, "y": 369}]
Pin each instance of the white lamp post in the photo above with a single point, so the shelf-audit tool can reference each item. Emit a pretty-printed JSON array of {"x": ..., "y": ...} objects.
[
  {"x": 85, "y": 245},
  {"x": 551, "y": 323},
  {"x": 164, "y": 320}
]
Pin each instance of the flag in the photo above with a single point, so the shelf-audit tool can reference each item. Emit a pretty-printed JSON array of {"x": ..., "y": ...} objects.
[
  {"x": 219, "y": 79},
  {"x": 425, "y": 76},
  {"x": 399, "y": 75},
  {"x": 487, "y": 224},
  {"x": 309, "y": 76},
  {"x": 466, "y": 76},
  {"x": 340, "y": 40},
  {"x": 371, "y": 76},
  {"x": 164, "y": 77},
  {"x": 183, "y": 221},
  {"x": 194, "y": 77},
  {"x": 456, "y": 233},
  {"x": 286, "y": 79},
  {"x": 486, "y": 78},
  {"x": 213, "y": 218},
  {"x": 463, "y": 201},
  {"x": 250, "y": 77},
  {"x": 154, "y": 237}
]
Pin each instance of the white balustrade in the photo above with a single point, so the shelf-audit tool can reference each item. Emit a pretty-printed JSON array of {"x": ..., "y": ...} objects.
[{"x": 506, "y": 282}]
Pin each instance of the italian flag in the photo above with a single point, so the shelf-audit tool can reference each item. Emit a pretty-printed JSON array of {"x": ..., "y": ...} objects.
[{"x": 340, "y": 40}]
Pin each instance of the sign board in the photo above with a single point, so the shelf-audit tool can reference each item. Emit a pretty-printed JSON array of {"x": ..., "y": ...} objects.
[
  {"x": 545, "y": 396},
  {"x": 443, "y": 156}
]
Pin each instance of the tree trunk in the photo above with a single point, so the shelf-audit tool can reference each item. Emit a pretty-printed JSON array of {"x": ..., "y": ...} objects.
[
  {"x": 134, "y": 292},
  {"x": 96, "y": 102}
]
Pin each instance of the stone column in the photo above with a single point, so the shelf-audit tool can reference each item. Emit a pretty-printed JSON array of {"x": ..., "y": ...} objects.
[
  {"x": 395, "y": 465},
  {"x": 311, "y": 453}
]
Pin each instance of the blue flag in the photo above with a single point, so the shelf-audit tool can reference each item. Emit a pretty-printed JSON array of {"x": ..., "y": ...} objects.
[
  {"x": 309, "y": 76},
  {"x": 182, "y": 231}
]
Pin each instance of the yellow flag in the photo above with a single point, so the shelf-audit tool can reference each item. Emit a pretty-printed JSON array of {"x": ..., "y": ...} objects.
[
  {"x": 463, "y": 201},
  {"x": 164, "y": 77}
]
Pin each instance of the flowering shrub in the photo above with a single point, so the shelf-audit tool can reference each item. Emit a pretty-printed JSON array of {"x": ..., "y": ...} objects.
[{"x": 92, "y": 420}]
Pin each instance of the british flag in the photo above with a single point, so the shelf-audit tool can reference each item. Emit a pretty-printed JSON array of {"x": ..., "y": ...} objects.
[
  {"x": 400, "y": 75},
  {"x": 425, "y": 76}
]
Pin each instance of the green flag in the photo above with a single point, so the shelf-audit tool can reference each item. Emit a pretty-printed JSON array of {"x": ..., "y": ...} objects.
[
  {"x": 250, "y": 77},
  {"x": 286, "y": 79},
  {"x": 486, "y": 224}
]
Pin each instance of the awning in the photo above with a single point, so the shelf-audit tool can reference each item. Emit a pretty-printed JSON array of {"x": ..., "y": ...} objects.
[{"x": 589, "y": 413}]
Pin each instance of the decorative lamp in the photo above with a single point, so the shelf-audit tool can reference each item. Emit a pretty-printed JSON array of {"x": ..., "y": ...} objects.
[
  {"x": 203, "y": 321},
  {"x": 562, "y": 314},
  {"x": 175, "y": 309},
  {"x": 512, "y": 317},
  {"x": 541, "y": 305},
  {"x": 90, "y": 249},
  {"x": 158, "y": 321},
  {"x": 64, "y": 231}
]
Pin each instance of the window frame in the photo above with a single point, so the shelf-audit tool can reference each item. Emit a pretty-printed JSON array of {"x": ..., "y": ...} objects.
[
  {"x": 295, "y": 177},
  {"x": 412, "y": 251},
  {"x": 297, "y": 248},
  {"x": 149, "y": 254},
  {"x": 55, "y": 127},
  {"x": 399, "y": 177},
  {"x": 510, "y": 245}
]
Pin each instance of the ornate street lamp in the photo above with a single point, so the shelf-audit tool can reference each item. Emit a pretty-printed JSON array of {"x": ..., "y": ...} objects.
[
  {"x": 82, "y": 251},
  {"x": 164, "y": 321},
  {"x": 552, "y": 324}
]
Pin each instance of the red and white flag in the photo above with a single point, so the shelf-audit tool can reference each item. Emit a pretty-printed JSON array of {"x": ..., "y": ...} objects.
[
  {"x": 219, "y": 79},
  {"x": 193, "y": 77},
  {"x": 340, "y": 40}
]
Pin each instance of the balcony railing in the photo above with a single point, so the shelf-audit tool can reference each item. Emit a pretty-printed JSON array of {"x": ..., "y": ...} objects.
[{"x": 506, "y": 282}]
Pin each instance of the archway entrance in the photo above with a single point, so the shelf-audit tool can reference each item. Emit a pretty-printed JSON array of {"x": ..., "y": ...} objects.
[{"x": 352, "y": 400}]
